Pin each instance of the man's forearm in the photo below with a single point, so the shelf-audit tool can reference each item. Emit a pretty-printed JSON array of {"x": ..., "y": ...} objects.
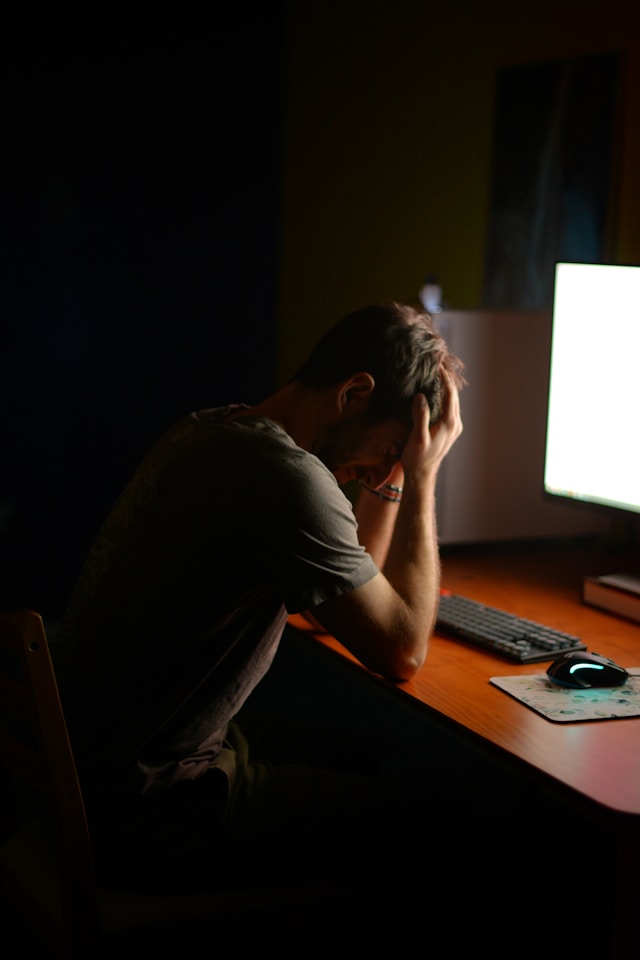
[
  {"x": 412, "y": 563},
  {"x": 376, "y": 522}
]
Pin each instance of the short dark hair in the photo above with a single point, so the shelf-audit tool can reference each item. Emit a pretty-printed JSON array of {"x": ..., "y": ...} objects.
[{"x": 401, "y": 349}]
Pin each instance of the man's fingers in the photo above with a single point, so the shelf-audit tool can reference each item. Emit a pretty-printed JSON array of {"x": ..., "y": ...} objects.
[
  {"x": 451, "y": 412},
  {"x": 421, "y": 413}
]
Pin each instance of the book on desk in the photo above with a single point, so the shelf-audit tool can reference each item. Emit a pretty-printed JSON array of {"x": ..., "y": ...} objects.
[{"x": 617, "y": 593}]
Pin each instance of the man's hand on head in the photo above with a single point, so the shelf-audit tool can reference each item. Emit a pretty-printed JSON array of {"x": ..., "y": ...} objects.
[{"x": 429, "y": 444}]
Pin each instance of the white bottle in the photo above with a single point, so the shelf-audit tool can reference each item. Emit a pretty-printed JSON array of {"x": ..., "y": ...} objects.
[{"x": 431, "y": 294}]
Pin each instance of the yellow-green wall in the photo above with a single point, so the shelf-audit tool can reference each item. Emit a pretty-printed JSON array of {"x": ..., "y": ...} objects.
[{"x": 388, "y": 133}]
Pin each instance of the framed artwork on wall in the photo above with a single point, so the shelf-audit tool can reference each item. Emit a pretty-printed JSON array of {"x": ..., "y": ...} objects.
[{"x": 551, "y": 192}]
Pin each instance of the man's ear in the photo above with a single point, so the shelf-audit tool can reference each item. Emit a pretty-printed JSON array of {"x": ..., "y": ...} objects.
[{"x": 356, "y": 392}]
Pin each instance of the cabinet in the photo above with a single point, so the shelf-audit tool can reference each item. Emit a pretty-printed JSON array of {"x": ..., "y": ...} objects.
[{"x": 490, "y": 485}]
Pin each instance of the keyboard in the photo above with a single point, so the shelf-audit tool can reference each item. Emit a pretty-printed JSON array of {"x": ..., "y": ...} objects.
[{"x": 505, "y": 634}]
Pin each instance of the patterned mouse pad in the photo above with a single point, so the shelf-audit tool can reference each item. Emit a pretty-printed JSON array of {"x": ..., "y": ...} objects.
[{"x": 563, "y": 705}]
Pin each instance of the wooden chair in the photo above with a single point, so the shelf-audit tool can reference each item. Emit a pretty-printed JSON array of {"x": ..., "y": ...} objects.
[{"x": 46, "y": 867}]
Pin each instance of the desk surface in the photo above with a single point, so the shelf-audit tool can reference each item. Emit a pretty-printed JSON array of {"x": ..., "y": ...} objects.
[{"x": 598, "y": 759}]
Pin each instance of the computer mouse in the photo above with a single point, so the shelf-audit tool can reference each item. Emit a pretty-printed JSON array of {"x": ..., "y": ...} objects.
[{"x": 582, "y": 670}]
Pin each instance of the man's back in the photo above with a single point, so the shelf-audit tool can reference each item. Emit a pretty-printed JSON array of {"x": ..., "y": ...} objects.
[{"x": 225, "y": 527}]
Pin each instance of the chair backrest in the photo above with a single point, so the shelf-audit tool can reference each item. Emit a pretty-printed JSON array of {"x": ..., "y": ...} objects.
[
  {"x": 46, "y": 864},
  {"x": 36, "y": 752}
]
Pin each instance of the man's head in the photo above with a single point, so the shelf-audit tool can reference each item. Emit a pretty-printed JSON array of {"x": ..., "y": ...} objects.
[
  {"x": 380, "y": 357},
  {"x": 398, "y": 346}
]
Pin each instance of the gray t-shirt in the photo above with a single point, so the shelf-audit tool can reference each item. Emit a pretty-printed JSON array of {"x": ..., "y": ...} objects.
[{"x": 225, "y": 528}]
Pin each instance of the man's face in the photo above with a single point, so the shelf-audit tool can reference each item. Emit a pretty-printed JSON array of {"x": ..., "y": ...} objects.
[{"x": 355, "y": 449}]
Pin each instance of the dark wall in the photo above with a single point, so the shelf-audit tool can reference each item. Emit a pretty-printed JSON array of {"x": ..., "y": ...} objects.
[{"x": 139, "y": 206}]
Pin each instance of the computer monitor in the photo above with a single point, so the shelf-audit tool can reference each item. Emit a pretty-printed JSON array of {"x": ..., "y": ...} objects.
[{"x": 593, "y": 417}]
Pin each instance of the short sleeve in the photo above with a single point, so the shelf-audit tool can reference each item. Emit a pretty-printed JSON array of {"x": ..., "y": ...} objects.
[{"x": 318, "y": 552}]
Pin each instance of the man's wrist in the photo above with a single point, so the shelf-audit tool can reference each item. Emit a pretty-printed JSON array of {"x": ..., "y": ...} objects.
[{"x": 388, "y": 491}]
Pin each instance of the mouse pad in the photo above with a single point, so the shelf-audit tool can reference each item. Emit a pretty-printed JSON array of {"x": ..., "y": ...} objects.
[{"x": 563, "y": 705}]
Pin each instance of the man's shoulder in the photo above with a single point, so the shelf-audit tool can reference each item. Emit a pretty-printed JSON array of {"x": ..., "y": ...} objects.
[{"x": 250, "y": 449}]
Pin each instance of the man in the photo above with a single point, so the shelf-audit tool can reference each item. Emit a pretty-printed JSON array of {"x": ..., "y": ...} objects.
[{"x": 234, "y": 520}]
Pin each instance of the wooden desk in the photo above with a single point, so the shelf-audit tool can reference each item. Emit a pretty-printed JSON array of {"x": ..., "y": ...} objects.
[{"x": 596, "y": 763}]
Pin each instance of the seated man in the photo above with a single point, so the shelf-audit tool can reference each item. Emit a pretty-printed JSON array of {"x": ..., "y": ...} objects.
[{"x": 235, "y": 519}]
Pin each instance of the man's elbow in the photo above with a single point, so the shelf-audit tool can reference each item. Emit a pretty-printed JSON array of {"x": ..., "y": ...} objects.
[{"x": 407, "y": 664}]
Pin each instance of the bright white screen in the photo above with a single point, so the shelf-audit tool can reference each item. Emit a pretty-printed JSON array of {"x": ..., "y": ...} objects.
[{"x": 593, "y": 422}]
